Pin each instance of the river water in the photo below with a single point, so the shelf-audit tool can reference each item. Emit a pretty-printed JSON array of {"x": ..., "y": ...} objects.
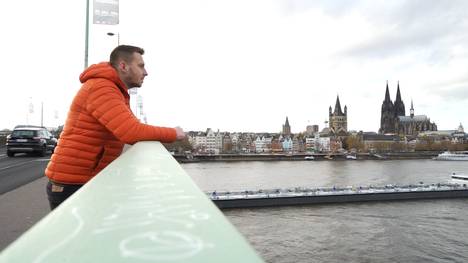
[{"x": 399, "y": 231}]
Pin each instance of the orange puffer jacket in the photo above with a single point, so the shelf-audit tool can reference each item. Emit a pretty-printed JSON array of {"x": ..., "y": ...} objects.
[{"x": 98, "y": 125}]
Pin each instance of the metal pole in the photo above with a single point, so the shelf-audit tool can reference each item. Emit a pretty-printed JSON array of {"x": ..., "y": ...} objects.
[
  {"x": 86, "y": 35},
  {"x": 42, "y": 114},
  {"x": 30, "y": 110},
  {"x": 113, "y": 34}
]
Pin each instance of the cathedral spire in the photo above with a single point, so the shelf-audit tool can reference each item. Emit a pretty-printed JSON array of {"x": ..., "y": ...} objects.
[
  {"x": 387, "y": 117},
  {"x": 398, "y": 95},
  {"x": 337, "y": 110},
  {"x": 399, "y": 106},
  {"x": 387, "y": 94},
  {"x": 286, "y": 127},
  {"x": 412, "y": 109}
]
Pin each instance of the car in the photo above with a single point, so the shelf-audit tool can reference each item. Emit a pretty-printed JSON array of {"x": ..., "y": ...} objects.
[{"x": 30, "y": 139}]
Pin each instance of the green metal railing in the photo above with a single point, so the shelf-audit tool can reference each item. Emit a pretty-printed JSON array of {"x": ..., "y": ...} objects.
[{"x": 142, "y": 208}]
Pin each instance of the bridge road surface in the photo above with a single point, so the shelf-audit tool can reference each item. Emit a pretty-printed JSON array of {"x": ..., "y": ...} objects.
[{"x": 23, "y": 198}]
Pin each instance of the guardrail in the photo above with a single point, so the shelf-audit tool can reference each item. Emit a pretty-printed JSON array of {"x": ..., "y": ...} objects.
[{"x": 142, "y": 208}]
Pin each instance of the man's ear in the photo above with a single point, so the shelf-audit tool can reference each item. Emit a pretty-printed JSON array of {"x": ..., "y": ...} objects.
[{"x": 122, "y": 65}]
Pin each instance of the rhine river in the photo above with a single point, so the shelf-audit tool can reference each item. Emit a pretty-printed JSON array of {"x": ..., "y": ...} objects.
[{"x": 399, "y": 231}]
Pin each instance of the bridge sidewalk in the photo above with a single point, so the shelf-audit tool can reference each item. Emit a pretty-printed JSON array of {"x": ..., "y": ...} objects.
[{"x": 22, "y": 208}]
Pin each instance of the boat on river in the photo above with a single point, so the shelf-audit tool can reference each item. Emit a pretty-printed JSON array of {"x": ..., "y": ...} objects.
[
  {"x": 453, "y": 156},
  {"x": 459, "y": 179},
  {"x": 320, "y": 195}
]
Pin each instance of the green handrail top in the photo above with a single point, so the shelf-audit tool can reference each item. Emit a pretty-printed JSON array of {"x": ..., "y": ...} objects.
[{"x": 143, "y": 207}]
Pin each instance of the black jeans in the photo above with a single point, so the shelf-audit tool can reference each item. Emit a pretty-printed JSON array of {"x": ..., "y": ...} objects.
[{"x": 57, "y": 193}]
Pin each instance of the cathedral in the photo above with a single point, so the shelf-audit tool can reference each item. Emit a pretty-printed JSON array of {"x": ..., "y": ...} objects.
[
  {"x": 338, "y": 120},
  {"x": 394, "y": 120}
]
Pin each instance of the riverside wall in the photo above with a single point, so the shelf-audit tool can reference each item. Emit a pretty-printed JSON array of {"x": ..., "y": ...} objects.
[{"x": 300, "y": 157}]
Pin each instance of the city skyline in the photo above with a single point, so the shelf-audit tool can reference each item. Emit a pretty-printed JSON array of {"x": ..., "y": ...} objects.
[
  {"x": 324, "y": 124},
  {"x": 247, "y": 65}
]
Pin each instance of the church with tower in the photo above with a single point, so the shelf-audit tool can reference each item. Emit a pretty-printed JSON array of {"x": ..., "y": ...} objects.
[
  {"x": 338, "y": 119},
  {"x": 286, "y": 128},
  {"x": 393, "y": 119}
]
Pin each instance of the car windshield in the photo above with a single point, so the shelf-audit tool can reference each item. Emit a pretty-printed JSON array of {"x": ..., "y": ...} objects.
[{"x": 23, "y": 133}]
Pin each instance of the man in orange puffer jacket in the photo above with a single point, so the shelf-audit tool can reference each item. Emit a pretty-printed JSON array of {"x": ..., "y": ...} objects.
[{"x": 100, "y": 122}]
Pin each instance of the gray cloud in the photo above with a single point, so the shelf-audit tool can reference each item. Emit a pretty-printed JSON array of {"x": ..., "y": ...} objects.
[
  {"x": 432, "y": 27},
  {"x": 332, "y": 8},
  {"x": 453, "y": 90},
  {"x": 428, "y": 27}
]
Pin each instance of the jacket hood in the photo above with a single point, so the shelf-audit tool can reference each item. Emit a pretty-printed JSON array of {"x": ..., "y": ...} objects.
[{"x": 103, "y": 70}]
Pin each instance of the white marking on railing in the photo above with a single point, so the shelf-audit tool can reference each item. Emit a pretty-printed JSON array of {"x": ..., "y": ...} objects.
[{"x": 164, "y": 245}]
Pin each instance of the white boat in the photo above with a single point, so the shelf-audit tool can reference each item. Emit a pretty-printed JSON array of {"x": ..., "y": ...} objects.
[
  {"x": 459, "y": 179},
  {"x": 453, "y": 156},
  {"x": 351, "y": 157},
  {"x": 309, "y": 158}
]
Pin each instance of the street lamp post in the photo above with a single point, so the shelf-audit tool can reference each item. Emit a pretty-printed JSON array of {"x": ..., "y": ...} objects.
[
  {"x": 42, "y": 114},
  {"x": 30, "y": 110},
  {"x": 113, "y": 34},
  {"x": 86, "y": 35}
]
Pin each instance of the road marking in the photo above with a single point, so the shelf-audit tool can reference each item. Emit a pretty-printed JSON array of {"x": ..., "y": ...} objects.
[
  {"x": 15, "y": 165},
  {"x": 19, "y": 164},
  {"x": 42, "y": 160}
]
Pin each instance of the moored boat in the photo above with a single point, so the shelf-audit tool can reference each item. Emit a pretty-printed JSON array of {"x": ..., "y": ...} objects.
[
  {"x": 453, "y": 156},
  {"x": 459, "y": 179},
  {"x": 336, "y": 194}
]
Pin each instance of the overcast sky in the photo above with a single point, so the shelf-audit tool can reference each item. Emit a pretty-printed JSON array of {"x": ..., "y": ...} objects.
[{"x": 246, "y": 65}]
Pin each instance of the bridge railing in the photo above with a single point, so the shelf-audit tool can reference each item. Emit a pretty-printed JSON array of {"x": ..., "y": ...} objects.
[{"x": 142, "y": 208}]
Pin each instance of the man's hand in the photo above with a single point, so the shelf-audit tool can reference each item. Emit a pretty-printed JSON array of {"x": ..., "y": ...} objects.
[{"x": 180, "y": 133}]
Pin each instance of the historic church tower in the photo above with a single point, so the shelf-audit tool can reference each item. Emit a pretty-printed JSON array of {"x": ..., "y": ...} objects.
[
  {"x": 387, "y": 116},
  {"x": 399, "y": 105},
  {"x": 338, "y": 119},
  {"x": 391, "y": 111},
  {"x": 286, "y": 128}
]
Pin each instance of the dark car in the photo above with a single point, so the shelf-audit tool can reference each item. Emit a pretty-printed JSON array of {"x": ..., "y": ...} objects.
[{"x": 30, "y": 139}]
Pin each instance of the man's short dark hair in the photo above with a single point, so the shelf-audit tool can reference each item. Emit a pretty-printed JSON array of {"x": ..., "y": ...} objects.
[{"x": 124, "y": 52}]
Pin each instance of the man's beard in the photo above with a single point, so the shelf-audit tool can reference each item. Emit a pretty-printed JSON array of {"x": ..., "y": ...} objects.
[{"x": 135, "y": 85}]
